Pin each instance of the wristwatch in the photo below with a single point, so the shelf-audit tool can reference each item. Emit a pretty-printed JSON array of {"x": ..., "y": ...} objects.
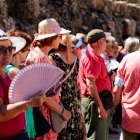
[{"x": 61, "y": 114}]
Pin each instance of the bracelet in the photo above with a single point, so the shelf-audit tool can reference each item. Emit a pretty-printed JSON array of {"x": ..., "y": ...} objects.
[
  {"x": 26, "y": 105},
  {"x": 61, "y": 114}
]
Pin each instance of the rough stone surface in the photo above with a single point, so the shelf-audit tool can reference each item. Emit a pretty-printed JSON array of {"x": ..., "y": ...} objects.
[{"x": 121, "y": 18}]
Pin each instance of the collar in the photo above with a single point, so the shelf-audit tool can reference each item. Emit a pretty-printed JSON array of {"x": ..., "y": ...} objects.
[{"x": 93, "y": 52}]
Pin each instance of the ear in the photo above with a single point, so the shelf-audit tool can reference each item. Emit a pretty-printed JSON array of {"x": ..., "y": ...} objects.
[{"x": 99, "y": 41}]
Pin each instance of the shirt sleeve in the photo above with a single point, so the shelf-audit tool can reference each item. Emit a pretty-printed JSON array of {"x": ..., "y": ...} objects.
[
  {"x": 118, "y": 81},
  {"x": 121, "y": 68},
  {"x": 91, "y": 68}
]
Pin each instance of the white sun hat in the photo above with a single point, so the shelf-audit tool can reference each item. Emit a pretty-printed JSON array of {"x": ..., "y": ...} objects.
[
  {"x": 48, "y": 28},
  {"x": 112, "y": 64},
  {"x": 3, "y": 35},
  {"x": 17, "y": 42}
]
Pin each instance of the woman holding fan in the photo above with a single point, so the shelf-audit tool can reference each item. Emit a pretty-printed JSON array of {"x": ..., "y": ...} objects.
[{"x": 48, "y": 38}]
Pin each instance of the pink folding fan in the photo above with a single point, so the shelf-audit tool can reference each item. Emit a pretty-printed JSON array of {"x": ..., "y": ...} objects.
[{"x": 32, "y": 79}]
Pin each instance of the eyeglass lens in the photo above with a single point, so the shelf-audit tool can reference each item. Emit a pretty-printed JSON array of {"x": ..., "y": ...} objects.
[{"x": 10, "y": 49}]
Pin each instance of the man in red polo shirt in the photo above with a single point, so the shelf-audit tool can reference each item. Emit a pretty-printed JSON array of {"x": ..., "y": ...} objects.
[{"x": 93, "y": 79}]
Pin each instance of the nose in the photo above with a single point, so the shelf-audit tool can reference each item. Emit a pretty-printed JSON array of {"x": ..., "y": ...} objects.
[{"x": 7, "y": 52}]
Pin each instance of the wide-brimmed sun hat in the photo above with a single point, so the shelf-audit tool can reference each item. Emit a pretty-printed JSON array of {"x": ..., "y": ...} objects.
[
  {"x": 48, "y": 28},
  {"x": 17, "y": 42}
]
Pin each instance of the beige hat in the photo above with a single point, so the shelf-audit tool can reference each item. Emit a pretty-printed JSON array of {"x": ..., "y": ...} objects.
[{"x": 48, "y": 28}]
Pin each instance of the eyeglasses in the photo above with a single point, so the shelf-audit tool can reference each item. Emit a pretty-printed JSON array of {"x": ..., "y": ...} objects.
[{"x": 10, "y": 49}]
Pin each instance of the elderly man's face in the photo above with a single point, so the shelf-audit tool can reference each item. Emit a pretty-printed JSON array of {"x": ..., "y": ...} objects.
[{"x": 5, "y": 58}]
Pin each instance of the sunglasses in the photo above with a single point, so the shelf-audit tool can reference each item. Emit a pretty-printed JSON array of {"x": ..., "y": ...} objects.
[{"x": 10, "y": 49}]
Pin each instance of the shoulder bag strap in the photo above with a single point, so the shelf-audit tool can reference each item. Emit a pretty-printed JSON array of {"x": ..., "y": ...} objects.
[{"x": 72, "y": 69}]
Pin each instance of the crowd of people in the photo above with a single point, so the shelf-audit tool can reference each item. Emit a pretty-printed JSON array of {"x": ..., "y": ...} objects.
[{"x": 99, "y": 76}]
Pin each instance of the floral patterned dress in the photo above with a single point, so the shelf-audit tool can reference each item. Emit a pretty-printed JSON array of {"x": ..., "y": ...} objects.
[
  {"x": 36, "y": 55},
  {"x": 70, "y": 98}
]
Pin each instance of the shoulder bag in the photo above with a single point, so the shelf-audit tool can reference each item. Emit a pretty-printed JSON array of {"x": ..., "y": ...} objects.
[
  {"x": 58, "y": 124},
  {"x": 107, "y": 99}
]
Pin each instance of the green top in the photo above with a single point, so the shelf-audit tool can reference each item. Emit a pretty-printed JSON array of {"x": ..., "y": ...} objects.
[{"x": 8, "y": 67}]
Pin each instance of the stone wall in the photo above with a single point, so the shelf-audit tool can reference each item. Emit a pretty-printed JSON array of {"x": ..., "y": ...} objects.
[{"x": 122, "y": 18}]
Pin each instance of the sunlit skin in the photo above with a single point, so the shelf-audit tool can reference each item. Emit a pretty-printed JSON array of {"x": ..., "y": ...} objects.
[
  {"x": 102, "y": 44},
  {"x": 99, "y": 46},
  {"x": 77, "y": 52},
  {"x": 54, "y": 45}
]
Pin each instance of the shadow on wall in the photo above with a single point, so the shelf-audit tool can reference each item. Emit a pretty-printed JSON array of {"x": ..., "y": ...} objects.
[{"x": 24, "y": 10}]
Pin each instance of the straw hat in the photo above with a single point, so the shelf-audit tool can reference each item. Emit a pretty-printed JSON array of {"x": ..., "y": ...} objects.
[
  {"x": 48, "y": 28},
  {"x": 17, "y": 42}
]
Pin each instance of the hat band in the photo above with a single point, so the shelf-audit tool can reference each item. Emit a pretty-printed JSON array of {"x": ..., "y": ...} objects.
[
  {"x": 55, "y": 29},
  {"x": 51, "y": 30}
]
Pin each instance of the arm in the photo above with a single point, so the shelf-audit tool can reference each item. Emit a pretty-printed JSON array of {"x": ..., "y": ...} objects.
[
  {"x": 51, "y": 60},
  {"x": 92, "y": 89},
  {"x": 54, "y": 106},
  {"x": 10, "y": 111},
  {"x": 117, "y": 95},
  {"x": 69, "y": 49},
  {"x": 83, "y": 127},
  {"x": 12, "y": 72}
]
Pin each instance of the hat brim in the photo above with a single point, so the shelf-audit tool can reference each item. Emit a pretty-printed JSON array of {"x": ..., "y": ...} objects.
[
  {"x": 113, "y": 64},
  {"x": 4, "y": 38},
  {"x": 107, "y": 34},
  {"x": 17, "y": 42},
  {"x": 43, "y": 36},
  {"x": 78, "y": 44},
  {"x": 72, "y": 45}
]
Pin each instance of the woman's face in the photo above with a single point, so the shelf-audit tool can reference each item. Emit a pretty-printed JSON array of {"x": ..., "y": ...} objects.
[
  {"x": 5, "y": 58},
  {"x": 55, "y": 43}
]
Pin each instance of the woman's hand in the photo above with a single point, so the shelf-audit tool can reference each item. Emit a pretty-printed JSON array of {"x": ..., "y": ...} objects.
[
  {"x": 37, "y": 101},
  {"x": 66, "y": 115}
]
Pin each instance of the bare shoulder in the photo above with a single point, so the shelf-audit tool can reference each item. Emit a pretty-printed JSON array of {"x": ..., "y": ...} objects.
[
  {"x": 62, "y": 55},
  {"x": 12, "y": 72},
  {"x": 51, "y": 61}
]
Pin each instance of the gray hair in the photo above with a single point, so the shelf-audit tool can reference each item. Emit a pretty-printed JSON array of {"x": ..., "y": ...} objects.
[
  {"x": 131, "y": 44},
  {"x": 112, "y": 41}
]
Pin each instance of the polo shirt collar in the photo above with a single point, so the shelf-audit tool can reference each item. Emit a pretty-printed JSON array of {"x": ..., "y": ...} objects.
[{"x": 92, "y": 51}]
